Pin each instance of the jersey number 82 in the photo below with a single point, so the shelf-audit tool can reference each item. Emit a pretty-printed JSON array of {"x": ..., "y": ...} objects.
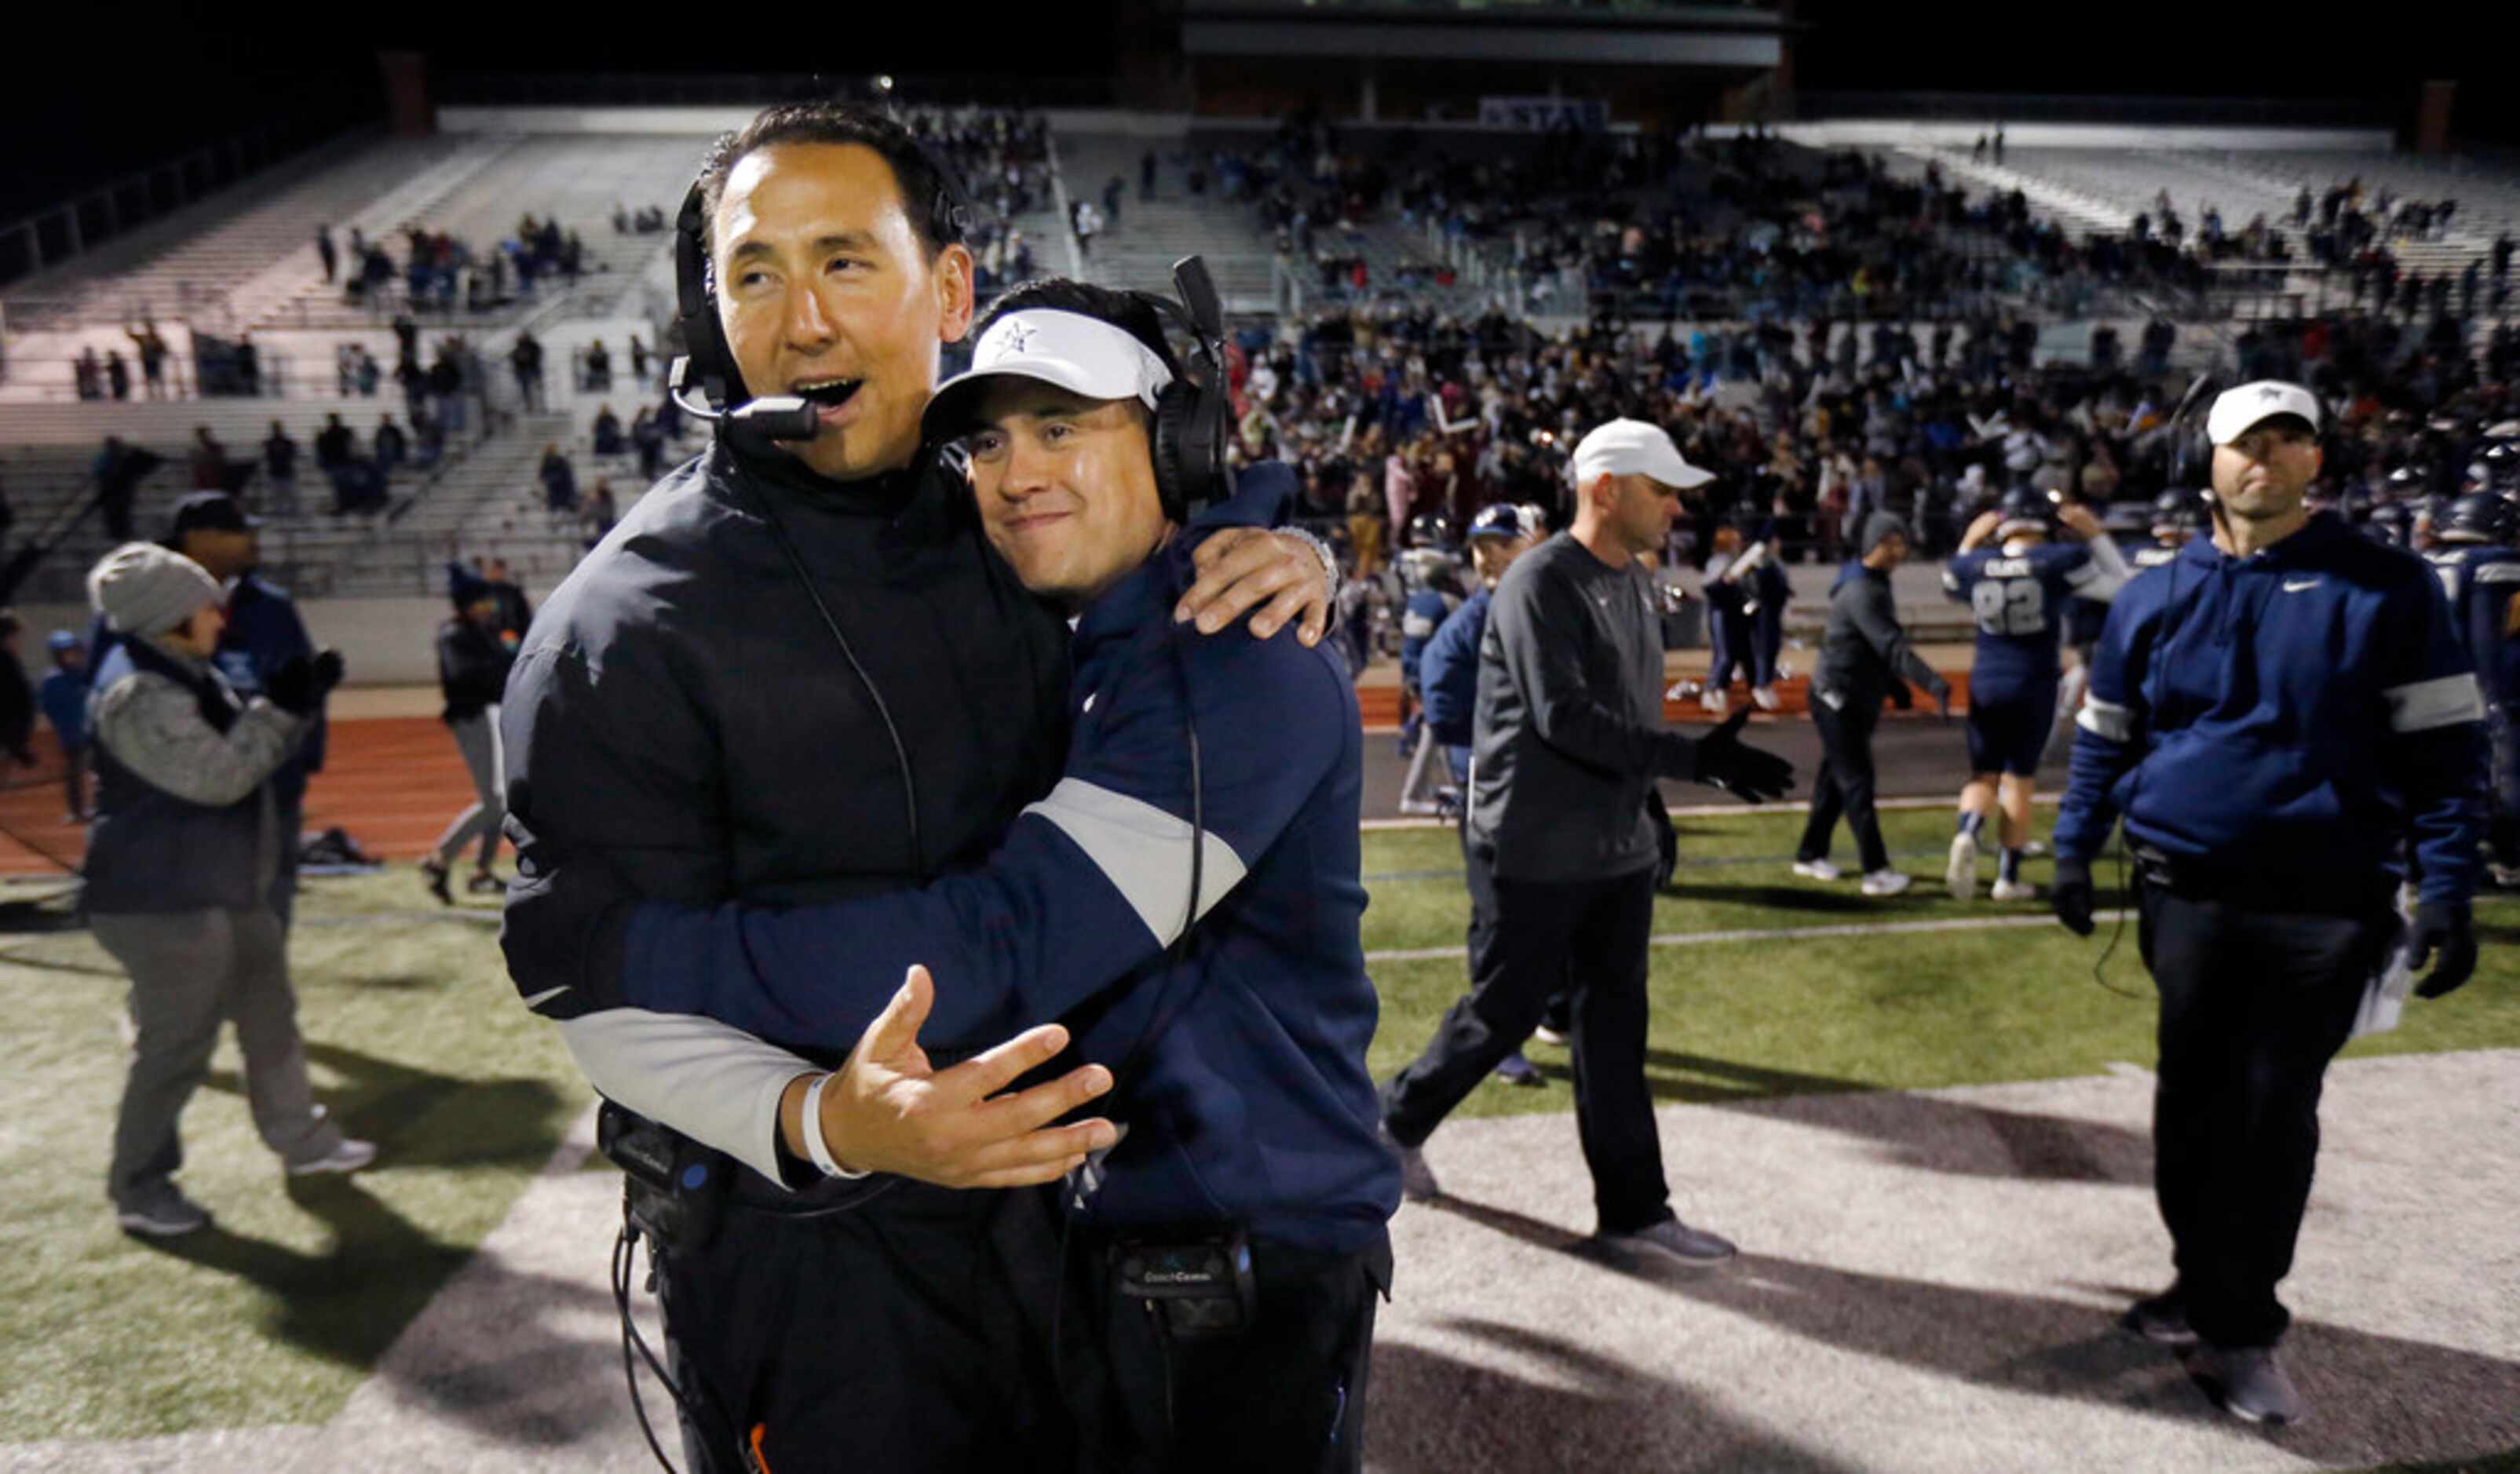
[{"x": 2010, "y": 606}]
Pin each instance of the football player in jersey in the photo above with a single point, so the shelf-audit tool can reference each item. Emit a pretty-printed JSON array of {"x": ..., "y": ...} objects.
[
  {"x": 1434, "y": 583},
  {"x": 2176, "y": 517},
  {"x": 2017, "y": 590},
  {"x": 2481, "y": 573}
]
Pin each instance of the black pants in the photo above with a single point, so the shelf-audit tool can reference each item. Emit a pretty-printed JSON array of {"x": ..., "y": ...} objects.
[
  {"x": 910, "y": 1333},
  {"x": 1600, "y": 927},
  {"x": 2254, "y": 1004},
  {"x": 1479, "y": 872},
  {"x": 1285, "y": 1396},
  {"x": 1845, "y": 784}
]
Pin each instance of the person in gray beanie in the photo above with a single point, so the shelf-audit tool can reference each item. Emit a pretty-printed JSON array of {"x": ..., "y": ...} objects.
[
  {"x": 1865, "y": 656},
  {"x": 183, "y": 870}
]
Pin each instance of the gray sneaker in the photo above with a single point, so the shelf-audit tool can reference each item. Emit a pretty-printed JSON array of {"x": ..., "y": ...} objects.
[
  {"x": 1672, "y": 1240},
  {"x": 1513, "y": 1069},
  {"x": 2161, "y": 1319},
  {"x": 159, "y": 1210},
  {"x": 348, "y": 1156},
  {"x": 2246, "y": 1382},
  {"x": 1416, "y": 1179}
]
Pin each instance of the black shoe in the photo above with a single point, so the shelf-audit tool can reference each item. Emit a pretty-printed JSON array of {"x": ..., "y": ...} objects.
[
  {"x": 2161, "y": 1319},
  {"x": 1513, "y": 1069},
  {"x": 2247, "y": 1382},
  {"x": 435, "y": 874},
  {"x": 485, "y": 883}
]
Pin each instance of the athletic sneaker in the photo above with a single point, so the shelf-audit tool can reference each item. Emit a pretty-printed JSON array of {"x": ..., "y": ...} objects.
[
  {"x": 1817, "y": 869},
  {"x": 2014, "y": 890},
  {"x": 1671, "y": 1240},
  {"x": 486, "y": 883},
  {"x": 1546, "y": 1035},
  {"x": 162, "y": 1211},
  {"x": 2508, "y": 876},
  {"x": 1416, "y": 1180},
  {"x": 1765, "y": 696},
  {"x": 1714, "y": 701},
  {"x": 2161, "y": 1319},
  {"x": 1885, "y": 883},
  {"x": 1513, "y": 1069},
  {"x": 349, "y": 1156},
  {"x": 2246, "y": 1382},
  {"x": 1962, "y": 872},
  {"x": 435, "y": 873}
]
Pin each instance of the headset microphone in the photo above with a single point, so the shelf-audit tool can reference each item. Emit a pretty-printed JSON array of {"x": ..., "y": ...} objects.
[{"x": 757, "y": 425}]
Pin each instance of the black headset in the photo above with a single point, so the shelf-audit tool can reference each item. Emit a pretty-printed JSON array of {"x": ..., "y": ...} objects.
[{"x": 1193, "y": 411}]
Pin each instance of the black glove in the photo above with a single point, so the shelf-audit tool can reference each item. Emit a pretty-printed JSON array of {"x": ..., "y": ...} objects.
[
  {"x": 1901, "y": 697},
  {"x": 1943, "y": 701},
  {"x": 300, "y": 683},
  {"x": 1726, "y": 762},
  {"x": 2445, "y": 927},
  {"x": 2071, "y": 895}
]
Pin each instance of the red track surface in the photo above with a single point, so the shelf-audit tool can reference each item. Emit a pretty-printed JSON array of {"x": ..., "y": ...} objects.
[{"x": 395, "y": 782}]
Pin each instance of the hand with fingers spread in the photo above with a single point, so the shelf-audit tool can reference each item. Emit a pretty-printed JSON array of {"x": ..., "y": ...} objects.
[
  {"x": 889, "y": 1110},
  {"x": 1753, "y": 774},
  {"x": 1243, "y": 568}
]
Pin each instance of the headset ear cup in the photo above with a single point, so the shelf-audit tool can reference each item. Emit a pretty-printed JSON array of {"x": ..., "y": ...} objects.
[{"x": 1173, "y": 467}]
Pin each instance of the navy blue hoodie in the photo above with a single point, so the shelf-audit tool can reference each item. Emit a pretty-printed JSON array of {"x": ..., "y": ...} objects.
[{"x": 2295, "y": 712}]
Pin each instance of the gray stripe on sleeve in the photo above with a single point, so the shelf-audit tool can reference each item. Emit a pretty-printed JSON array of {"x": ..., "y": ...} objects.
[{"x": 1142, "y": 851}]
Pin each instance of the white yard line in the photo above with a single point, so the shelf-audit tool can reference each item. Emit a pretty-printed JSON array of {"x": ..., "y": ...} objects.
[{"x": 1780, "y": 933}]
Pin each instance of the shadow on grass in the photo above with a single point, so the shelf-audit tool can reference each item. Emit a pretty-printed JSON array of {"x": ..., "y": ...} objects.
[
  {"x": 1914, "y": 1130},
  {"x": 467, "y": 1122},
  {"x": 1431, "y": 1412},
  {"x": 2371, "y": 1393}
]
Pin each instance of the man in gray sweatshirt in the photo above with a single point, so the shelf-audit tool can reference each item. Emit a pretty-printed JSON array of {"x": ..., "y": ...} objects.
[
  {"x": 1569, "y": 736},
  {"x": 1864, "y": 658},
  {"x": 184, "y": 869}
]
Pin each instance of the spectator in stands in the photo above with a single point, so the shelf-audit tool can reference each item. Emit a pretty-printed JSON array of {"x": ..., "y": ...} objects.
[
  {"x": 1088, "y": 224},
  {"x": 151, "y": 349},
  {"x": 526, "y": 360},
  {"x": 559, "y": 480},
  {"x": 600, "y": 511},
  {"x": 515, "y": 611},
  {"x": 209, "y": 460},
  {"x": 647, "y": 438},
  {"x": 17, "y": 696},
  {"x": 607, "y": 431},
  {"x": 280, "y": 469},
  {"x": 64, "y": 698},
  {"x": 369, "y": 375},
  {"x": 1113, "y": 189},
  {"x": 391, "y": 447},
  {"x": 474, "y": 653},
  {"x": 638, "y": 361},
  {"x": 117, "y": 374},
  {"x": 599, "y": 367},
  {"x": 446, "y": 388},
  {"x": 328, "y": 252},
  {"x": 187, "y": 873},
  {"x": 118, "y": 468},
  {"x": 87, "y": 374},
  {"x": 1147, "y": 175}
]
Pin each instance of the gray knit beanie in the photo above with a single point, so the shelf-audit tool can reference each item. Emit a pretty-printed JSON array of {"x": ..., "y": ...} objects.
[
  {"x": 143, "y": 589},
  {"x": 1880, "y": 526}
]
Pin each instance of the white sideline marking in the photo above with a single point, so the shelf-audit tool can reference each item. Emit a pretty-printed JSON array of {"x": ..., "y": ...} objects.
[
  {"x": 1781, "y": 933},
  {"x": 1727, "y": 810}
]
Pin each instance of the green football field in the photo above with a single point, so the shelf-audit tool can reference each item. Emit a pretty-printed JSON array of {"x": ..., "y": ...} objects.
[{"x": 417, "y": 1041}]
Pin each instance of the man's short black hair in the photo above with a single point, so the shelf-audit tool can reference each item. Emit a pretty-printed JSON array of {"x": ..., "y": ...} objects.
[
  {"x": 1125, "y": 310},
  {"x": 931, "y": 194}
]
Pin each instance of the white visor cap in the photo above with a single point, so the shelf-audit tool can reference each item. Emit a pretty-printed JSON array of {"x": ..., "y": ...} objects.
[
  {"x": 1632, "y": 447},
  {"x": 1082, "y": 355},
  {"x": 2237, "y": 411}
]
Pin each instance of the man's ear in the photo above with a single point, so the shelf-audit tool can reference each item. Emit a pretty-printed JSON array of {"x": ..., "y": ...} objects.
[{"x": 955, "y": 294}]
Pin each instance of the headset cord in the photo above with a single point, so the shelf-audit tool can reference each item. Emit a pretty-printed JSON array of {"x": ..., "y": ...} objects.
[{"x": 625, "y": 1249}]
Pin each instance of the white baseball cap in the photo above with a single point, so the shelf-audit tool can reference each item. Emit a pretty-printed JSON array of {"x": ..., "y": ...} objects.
[
  {"x": 2237, "y": 411},
  {"x": 1632, "y": 447},
  {"x": 1084, "y": 355}
]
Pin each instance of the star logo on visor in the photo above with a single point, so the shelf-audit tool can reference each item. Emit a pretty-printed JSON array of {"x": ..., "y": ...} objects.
[
  {"x": 2270, "y": 393},
  {"x": 1018, "y": 337}
]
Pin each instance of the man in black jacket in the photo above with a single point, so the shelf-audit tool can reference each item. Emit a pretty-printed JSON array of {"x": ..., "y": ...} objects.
[
  {"x": 474, "y": 650},
  {"x": 1865, "y": 656},
  {"x": 799, "y": 673},
  {"x": 1569, "y": 739}
]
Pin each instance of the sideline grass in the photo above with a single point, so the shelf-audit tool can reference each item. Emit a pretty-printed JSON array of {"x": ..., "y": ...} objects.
[
  {"x": 278, "y": 1311},
  {"x": 418, "y": 1042}
]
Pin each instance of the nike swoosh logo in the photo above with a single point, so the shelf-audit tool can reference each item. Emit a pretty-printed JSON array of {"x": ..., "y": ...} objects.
[{"x": 2295, "y": 588}]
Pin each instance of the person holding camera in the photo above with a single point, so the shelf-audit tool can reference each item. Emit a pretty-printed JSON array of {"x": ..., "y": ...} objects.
[
  {"x": 2275, "y": 711},
  {"x": 184, "y": 867}
]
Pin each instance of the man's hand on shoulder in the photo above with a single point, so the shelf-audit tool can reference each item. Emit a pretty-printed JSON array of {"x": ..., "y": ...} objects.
[
  {"x": 889, "y": 1110},
  {"x": 1243, "y": 568}
]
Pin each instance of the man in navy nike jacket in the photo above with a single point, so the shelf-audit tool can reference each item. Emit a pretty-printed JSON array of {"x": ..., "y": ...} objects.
[
  {"x": 2273, "y": 710},
  {"x": 1186, "y": 900}
]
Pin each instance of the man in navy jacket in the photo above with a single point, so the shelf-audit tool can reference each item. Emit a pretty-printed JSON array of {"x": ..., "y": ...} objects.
[
  {"x": 2273, "y": 711},
  {"x": 1185, "y": 900}
]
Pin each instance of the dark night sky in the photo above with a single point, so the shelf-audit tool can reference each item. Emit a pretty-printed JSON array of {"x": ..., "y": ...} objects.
[{"x": 178, "y": 80}]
